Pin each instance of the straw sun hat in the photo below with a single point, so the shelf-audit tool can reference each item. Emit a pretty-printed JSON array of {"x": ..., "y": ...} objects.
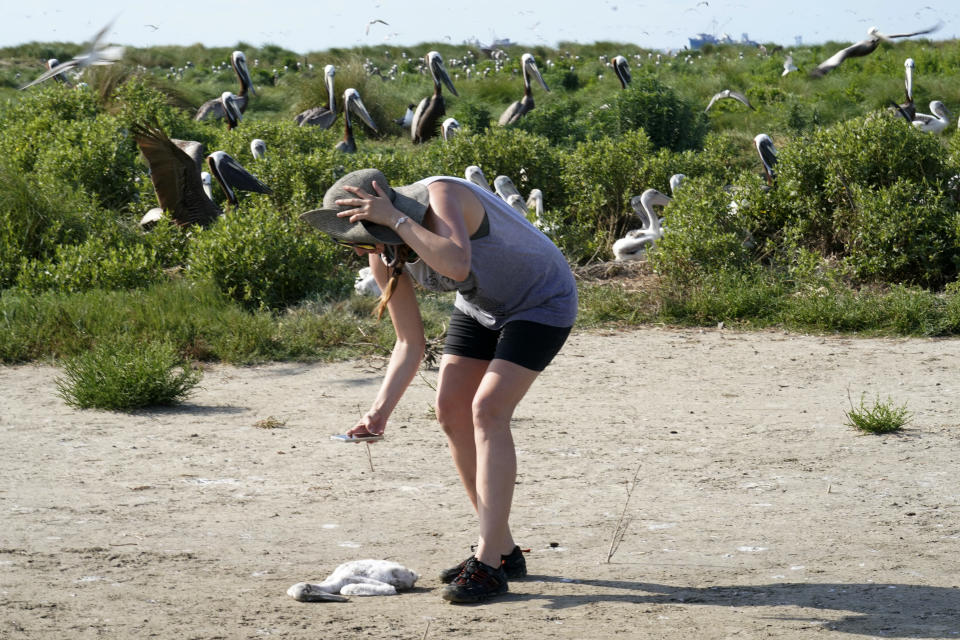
[{"x": 412, "y": 200}]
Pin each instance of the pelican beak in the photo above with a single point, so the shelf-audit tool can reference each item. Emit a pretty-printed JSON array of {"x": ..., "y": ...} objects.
[
  {"x": 240, "y": 64},
  {"x": 328, "y": 74},
  {"x": 353, "y": 102},
  {"x": 531, "y": 68},
  {"x": 441, "y": 73}
]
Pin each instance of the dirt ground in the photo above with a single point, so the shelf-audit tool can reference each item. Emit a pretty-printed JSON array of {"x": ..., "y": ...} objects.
[{"x": 757, "y": 513}]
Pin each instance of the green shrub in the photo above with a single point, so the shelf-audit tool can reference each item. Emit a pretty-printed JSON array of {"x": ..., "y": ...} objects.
[
  {"x": 882, "y": 417},
  {"x": 126, "y": 374},
  {"x": 263, "y": 259}
]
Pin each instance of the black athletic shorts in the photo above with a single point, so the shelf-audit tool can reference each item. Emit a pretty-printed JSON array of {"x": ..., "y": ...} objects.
[{"x": 528, "y": 344}]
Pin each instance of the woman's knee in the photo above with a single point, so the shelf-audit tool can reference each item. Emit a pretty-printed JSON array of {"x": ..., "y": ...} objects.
[
  {"x": 453, "y": 414},
  {"x": 490, "y": 413}
]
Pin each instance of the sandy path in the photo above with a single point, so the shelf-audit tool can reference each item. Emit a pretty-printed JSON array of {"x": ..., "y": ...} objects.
[{"x": 758, "y": 512}]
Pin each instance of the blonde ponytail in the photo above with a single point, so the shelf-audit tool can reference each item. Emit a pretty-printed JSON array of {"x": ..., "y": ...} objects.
[{"x": 398, "y": 257}]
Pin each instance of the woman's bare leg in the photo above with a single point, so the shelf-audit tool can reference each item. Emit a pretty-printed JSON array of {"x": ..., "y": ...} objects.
[
  {"x": 456, "y": 387},
  {"x": 502, "y": 387}
]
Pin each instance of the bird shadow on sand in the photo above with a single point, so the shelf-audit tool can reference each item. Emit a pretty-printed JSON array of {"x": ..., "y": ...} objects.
[
  {"x": 188, "y": 408},
  {"x": 887, "y": 609}
]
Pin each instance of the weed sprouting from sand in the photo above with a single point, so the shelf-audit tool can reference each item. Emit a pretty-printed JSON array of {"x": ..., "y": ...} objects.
[
  {"x": 623, "y": 522},
  {"x": 882, "y": 417},
  {"x": 270, "y": 423}
]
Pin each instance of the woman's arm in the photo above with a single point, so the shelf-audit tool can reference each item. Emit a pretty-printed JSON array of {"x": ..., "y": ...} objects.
[
  {"x": 407, "y": 351},
  {"x": 443, "y": 241}
]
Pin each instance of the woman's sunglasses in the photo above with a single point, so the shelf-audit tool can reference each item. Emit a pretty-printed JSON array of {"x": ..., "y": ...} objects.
[{"x": 356, "y": 245}]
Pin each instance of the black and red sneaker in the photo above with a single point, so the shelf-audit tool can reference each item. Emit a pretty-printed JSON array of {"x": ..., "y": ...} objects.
[
  {"x": 477, "y": 582},
  {"x": 513, "y": 564}
]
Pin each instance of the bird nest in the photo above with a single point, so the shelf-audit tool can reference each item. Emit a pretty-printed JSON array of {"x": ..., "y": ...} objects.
[{"x": 632, "y": 275}]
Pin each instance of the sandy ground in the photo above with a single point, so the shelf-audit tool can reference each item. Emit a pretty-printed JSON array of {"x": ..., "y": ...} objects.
[{"x": 757, "y": 514}]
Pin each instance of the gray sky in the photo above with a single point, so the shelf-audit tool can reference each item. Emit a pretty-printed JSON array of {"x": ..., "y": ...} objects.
[{"x": 303, "y": 26}]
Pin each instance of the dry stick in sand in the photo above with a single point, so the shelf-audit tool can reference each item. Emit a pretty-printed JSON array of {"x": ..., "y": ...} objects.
[
  {"x": 369, "y": 457},
  {"x": 621, "y": 529}
]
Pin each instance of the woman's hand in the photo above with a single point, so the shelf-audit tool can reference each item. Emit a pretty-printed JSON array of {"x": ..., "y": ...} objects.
[
  {"x": 375, "y": 208},
  {"x": 370, "y": 424}
]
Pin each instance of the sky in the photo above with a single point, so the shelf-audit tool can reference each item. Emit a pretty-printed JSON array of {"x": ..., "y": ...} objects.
[{"x": 304, "y": 26}]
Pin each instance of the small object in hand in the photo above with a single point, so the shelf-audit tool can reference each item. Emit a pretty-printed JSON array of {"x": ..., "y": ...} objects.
[{"x": 343, "y": 437}]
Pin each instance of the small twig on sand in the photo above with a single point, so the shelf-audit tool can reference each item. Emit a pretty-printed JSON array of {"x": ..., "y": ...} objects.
[
  {"x": 427, "y": 630},
  {"x": 623, "y": 522},
  {"x": 369, "y": 457}
]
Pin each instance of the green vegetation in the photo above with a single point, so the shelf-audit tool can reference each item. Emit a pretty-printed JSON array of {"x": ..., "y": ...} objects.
[
  {"x": 882, "y": 417},
  {"x": 127, "y": 374},
  {"x": 861, "y": 232}
]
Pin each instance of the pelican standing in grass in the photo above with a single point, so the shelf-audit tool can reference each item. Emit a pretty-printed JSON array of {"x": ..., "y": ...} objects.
[
  {"x": 634, "y": 245},
  {"x": 525, "y": 104},
  {"x": 178, "y": 183},
  {"x": 95, "y": 55},
  {"x": 322, "y": 116},
  {"x": 430, "y": 111},
  {"x": 213, "y": 109},
  {"x": 768, "y": 156},
  {"x": 258, "y": 148},
  {"x": 936, "y": 122},
  {"x": 474, "y": 174},
  {"x": 352, "y": 104},
  {"x": 231, "y": 109},
  {"x": 449, "y": 128},
  {"x": 863, "y": 48},
  {"x": 622, "y": 68},
  {"x": 407, "y": 118},
  {"x": 907, "y": 109}
]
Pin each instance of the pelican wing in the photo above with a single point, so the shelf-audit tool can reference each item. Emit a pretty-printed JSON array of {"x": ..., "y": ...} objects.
[
  {"x": 935, "y": 27},
  {"x": 317, "y": 117},
  {"x": 193, "y": 149},
  {"x": 862, "y": 48},
  {"x": 175, "y": 177},
  {"x": 49, "y": 73},
  {"x": 210, "y": 109},
  {"x": 513, "y": 113}
]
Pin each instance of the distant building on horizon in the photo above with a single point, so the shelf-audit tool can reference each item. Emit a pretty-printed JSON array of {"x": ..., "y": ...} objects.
[{"x": 705, "y": 38}]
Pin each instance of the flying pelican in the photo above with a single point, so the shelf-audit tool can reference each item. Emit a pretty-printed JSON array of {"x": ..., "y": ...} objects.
[
  {"x": 474, "y": 174},
  {"x": 788, "y": 65},
  {"x": 622, "y": 69},
  {"x": 907, "y": 109},
  {"x": 728, "y": 93},
  {"x": 449, "y": 128},
  {"x": 352, "y": 103},
  {"x": 407, "y": 118},
  {"x": 231, "y": 109},
  {"x": 768, "y": 156},
  {"x": 933, "y": 123},
  {"x": 258, "y": 148},
  {"x": 864, "y": 47},
  {"x": 177, "y": 178},
  {"x": 322, "y": 116},
  {"x": 517, "y": 110},
  {"x": 214, "y": 108},
  {"x": 431, "y": 109},
  {"x": 95, "y": 55},
  {"x": 634, "y": 245}
]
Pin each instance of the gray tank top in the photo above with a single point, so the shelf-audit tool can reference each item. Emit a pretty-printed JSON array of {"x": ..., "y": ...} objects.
[{"x": 516, "y": 272}]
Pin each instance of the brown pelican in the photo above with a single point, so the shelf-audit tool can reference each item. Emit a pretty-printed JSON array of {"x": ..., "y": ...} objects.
[
  {"x": 634, "y": 245},
  {"x": 352, "y": 103},
  {"x": 728, "y": 93},
  {"x": 768, "y": 156},
  {"x": 535, "y": 202},
  {"x": 258, "y": 148},
  {"x": 933, "y": 123},
  {"x": 517, "y": 110},
  {"x": 788, "y": 65},
  {"x": 177, "y": 181},
  {"x": 449, "y": 128},
  {"x": 505, "y": 188},
  {"x": 214, "y": 108},
  {"x": 474, "y": 174},
  {"x": 907, "y": 109},
  {"x": 431, "y": 109},
  {"x": 322, "y": 116},
  {"x": 863, "y": 48},
  {"x": 622, "y": 69},
  {"x": 95, "y": 55},
  {"x": 231, "y": 109}
]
